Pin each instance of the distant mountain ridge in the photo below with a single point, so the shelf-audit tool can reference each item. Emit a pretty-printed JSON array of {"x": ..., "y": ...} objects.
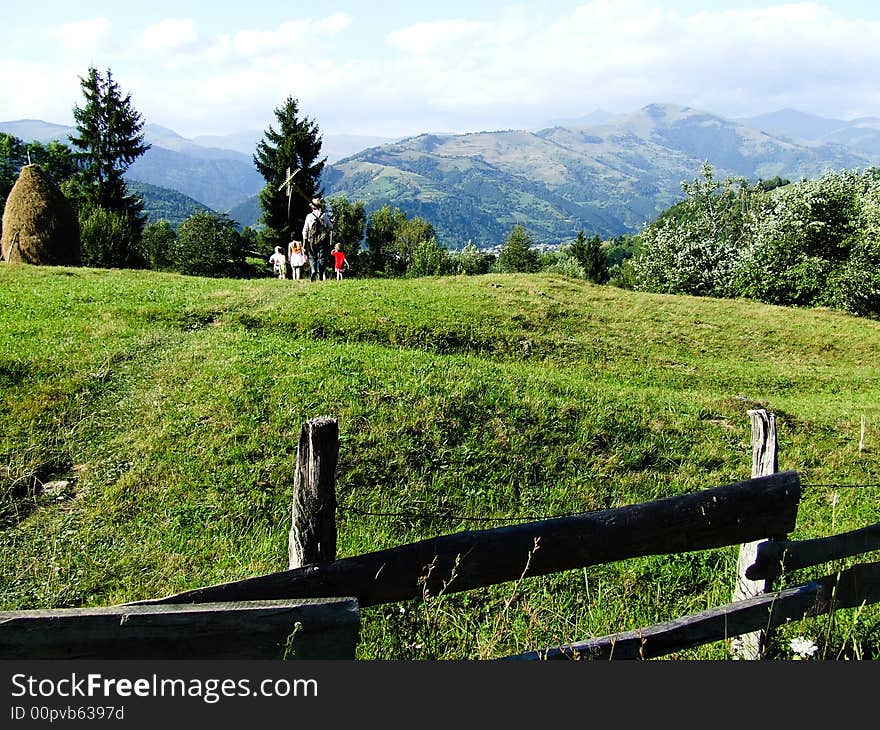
[
  {"x": 609, "y": 178},
  {"x": 861, "y": 135},
  {"x": 604, "y": 173},
  {"x": 217, "y": 172}
]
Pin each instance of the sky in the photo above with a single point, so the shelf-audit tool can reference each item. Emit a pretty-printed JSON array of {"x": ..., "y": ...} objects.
[{"x": 400, "y": 68}]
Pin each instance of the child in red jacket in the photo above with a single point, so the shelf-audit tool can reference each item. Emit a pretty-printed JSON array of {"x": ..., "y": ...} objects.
[{"x": 339, "y": 260}]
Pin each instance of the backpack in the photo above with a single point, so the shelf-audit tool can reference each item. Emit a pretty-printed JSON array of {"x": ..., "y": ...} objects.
[{"x": 321, "y": 231}]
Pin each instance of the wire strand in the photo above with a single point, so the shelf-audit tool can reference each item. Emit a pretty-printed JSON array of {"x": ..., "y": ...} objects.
[
  {"x": 452, "y": 517},
  {"x": 529, "y": 518}
]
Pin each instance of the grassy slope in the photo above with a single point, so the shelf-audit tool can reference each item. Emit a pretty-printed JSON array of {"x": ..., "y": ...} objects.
[{"x": 173, "y": 406}]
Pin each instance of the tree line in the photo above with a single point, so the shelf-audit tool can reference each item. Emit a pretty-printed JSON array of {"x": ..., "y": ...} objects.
[
  {"x": 813, "y": 243},
  {"x": 114, "y": 231},
  {"x": 809, "y": 243}
]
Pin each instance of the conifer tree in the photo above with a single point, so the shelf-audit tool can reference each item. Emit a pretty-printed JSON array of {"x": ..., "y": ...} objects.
[
  {"x": 516, "y": 254},
  {"x": 108, "y": 131},
  {"x": 295, "y": 145},
  {"x": 589, "y": 254}
]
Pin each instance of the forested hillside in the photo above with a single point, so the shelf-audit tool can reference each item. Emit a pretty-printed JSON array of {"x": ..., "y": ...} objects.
[{"x": 609, "y": 179}]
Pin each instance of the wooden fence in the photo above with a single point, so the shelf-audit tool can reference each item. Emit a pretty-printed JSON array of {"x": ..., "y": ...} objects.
[{"x": 312, "y": 609}]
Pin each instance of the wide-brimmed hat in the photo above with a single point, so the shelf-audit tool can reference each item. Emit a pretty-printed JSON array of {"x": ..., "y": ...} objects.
[{"x": 317, "y": 203}]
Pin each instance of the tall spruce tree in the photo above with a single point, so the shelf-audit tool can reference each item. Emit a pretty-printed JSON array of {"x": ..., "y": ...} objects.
[
  {"x": 295, "y": 145},
  {"x": 588, "y": 252},
  {"x": 108, "y": 131}
]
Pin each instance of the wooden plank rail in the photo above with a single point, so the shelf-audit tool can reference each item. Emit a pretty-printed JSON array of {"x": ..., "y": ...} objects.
[
  {"x": 775, "y": 556},
  {"x": 723, "y": 516},
  {"x": 302, "y": 629},
  {"x": 851, "y": 588}
]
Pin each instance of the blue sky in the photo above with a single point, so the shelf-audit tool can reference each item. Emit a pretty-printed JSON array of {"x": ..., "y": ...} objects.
[{"x": 397, "y": 68}]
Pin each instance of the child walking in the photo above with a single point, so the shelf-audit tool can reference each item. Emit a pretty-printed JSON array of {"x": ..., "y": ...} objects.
[
  {"x": 279, "y": 263},
  {"x": 297, "y": 258},
  {"x": 339, "y": 260}
]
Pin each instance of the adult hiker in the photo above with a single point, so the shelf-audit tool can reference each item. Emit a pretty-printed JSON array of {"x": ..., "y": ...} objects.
[{"x": 317, "y": 239}]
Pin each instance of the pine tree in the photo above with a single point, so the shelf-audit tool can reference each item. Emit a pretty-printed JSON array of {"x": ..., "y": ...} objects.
[
  {"x": 517, "y": 254},
  {"x": 588, "y": 252},
  {"x": 296, "y": 145},
  {"x": 109, "y": 135}
]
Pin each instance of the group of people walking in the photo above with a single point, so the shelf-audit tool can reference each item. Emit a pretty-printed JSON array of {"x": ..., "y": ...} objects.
[{"x": 316, "y": 250}]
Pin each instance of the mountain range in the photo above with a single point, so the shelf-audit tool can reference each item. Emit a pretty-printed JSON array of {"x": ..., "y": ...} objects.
[
  {"x": 603, "y": 173},
  {"x": 609, "y": 177},
  {"x": 217, "y": 172}
]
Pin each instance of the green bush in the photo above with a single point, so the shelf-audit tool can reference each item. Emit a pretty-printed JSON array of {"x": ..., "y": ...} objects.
[
  {"x": 208, "y": 245},
  {"x": 158, "y": 243},
  {"x": 109, "y": 239},
  {"x": 567, "y": 266}
]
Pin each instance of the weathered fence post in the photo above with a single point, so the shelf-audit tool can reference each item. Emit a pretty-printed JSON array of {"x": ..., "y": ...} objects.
[
  {"x": 764, "y": 463},
  {"x": 313, "y": 515}
]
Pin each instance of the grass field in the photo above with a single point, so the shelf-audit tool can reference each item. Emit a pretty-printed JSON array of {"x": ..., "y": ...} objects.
[{"x": 172, "y": 405}]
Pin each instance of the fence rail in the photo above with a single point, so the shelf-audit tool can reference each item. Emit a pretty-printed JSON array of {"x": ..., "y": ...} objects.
[
  {"x": 312, "y": 610},
  {"x": 712, "y": 518},
  {"x": 774, "y": 557},
  {"x": 304, "y": 629},
  {"x": 857, "y": 586}
]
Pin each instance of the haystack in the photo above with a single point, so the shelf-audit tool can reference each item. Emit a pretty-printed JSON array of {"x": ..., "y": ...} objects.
[{"x": 39, "y": 224}]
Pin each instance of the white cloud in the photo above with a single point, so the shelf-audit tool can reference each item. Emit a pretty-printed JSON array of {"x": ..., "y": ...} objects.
[
  {"x": 47, "y": 94},
  {"x": 628, "y": 53},
  {"x": 291, "y": 38},
  {"x": 521, "y": 68},
  {"x": 170, "y": 35},
  {"x": 83, "y": 36},
  {"x": 437, "y": 37}
]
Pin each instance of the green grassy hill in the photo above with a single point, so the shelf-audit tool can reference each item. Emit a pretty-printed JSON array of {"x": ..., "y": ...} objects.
[{"x": 171, "y": 406}]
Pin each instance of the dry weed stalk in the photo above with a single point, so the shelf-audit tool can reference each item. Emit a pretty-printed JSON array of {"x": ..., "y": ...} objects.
[{"x": 500, "y": 624}]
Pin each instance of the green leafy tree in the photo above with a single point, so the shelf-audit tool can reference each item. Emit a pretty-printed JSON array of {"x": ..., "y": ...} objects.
[
  {"x": 157, "y": 244},
  {"x": 429, "y": 258},
  {"x": 250, "y": 241},
  {"x": 411, "y": 234},
  {"x": 349, "y": 224},
  {"x": 470, "y": 261},
  {"x": 517, "y": 254},
  {"x": 59, "y": 161},
  {"x": 208, "y": 244},
  {"x": 13, "y": 155},
  {"x": 382, "y": 227},
  {"x": 108, "y": 239},
  {"x": 695, "y": 247},
  {"x": 805, "y": 237},
  {"x": 295, "y": 145}
]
